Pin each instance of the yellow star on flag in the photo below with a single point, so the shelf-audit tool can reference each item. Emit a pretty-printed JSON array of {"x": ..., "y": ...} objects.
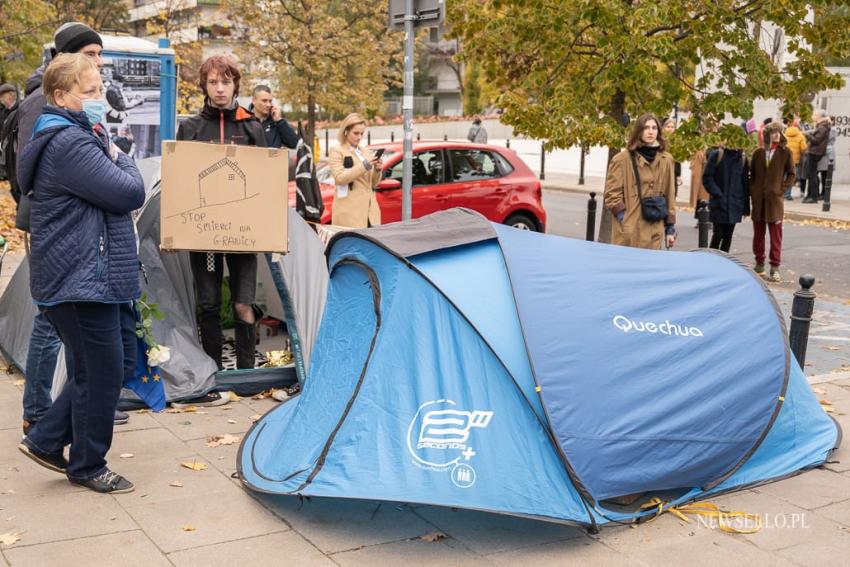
[
  {"x": 145, "y": 379},
  {"x": 156, "y": 377}
]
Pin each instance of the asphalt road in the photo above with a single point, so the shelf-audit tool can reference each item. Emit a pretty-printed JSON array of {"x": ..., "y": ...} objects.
[{"x": 822, "y": 252}]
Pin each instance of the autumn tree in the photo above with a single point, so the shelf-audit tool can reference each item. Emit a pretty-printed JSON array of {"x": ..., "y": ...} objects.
[
  {"x": 177, "y": 21},
  {"x": 332, "y": 55},
  {"x": 101, "y": 15},
  {"x": 28, "y": 24},
  {"x": 570, "y": 72}
]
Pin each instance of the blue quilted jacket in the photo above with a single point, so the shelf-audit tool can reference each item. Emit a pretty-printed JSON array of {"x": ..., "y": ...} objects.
[{"x": 83, "y": 244}]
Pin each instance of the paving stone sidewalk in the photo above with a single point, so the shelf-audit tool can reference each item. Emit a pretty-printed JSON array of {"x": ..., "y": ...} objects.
[{"x": 210, "y": 520}]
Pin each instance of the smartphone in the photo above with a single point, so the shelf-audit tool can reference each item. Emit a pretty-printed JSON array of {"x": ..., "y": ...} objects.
[{"x": 379, "y": 152}]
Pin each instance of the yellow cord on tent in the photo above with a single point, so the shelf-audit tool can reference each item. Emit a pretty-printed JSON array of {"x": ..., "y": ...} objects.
[{"x": 709, "y": 510}]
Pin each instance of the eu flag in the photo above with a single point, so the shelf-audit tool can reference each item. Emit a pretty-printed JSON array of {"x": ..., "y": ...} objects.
[{"x": 147, "y": 382}]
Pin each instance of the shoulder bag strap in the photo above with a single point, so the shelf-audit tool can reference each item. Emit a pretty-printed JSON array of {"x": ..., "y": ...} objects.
[{"x": 637, "y": 175}]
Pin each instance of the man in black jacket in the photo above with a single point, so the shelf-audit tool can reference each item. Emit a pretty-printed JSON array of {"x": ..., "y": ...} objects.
[
  {"x": 223, "y": 121},
  {"x": 818, "y": 140},
  {"x": 278, "y": 131}
]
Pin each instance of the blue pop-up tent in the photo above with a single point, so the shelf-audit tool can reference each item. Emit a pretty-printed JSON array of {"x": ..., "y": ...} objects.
[{"x": 466, "y": 364}]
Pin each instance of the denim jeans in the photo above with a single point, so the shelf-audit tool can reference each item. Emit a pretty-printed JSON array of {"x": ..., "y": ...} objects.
[
  {"x": 41, "y": 365},
  {"x": 101, "y": 341}
]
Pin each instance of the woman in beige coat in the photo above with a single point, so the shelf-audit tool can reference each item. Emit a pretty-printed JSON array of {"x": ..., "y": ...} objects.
[
  {"x": 356, "y": 173},
  {"x": 657, "y": 178}
]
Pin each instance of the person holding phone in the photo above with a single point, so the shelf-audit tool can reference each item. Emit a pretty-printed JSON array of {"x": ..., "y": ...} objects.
[
  {"x": 278, "y": 132},
  {"x": 356, "y": 171}
]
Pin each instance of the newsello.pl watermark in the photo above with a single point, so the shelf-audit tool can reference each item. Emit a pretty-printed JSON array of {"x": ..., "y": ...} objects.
[{"x": 755, "y": 522}]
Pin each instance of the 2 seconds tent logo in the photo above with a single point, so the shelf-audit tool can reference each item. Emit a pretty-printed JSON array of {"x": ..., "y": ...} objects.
[{"x": 438, "y": 438}]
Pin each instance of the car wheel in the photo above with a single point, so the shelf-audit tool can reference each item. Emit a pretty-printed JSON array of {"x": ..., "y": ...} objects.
[{"x": 522, "y": 222}]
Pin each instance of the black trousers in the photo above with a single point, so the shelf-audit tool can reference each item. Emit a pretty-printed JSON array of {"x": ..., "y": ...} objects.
[
  {"x": 208, "y": 271},
  {"x": 812, "y": 178},
  {"x": 721, "y": 236}
]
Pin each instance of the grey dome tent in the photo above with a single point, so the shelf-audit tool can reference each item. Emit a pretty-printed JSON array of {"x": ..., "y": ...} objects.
[{"x": 295, "y": 286}]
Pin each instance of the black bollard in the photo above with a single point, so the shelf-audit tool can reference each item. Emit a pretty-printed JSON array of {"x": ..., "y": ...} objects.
[
  {"x": 591, "y": 218},
  {"x": 392, "y": 136},
  {"x": 417, "y": 136},
  {"x": 703, "y": 223},
  {"x": 801, "y": 318},
  {"x": 581, "y": 167},
  {"x": 508, "y": 143},
  {"x": 445, "y": 137},
  {"x": 327, "y": 142},
  {"x": 369, "y": 138},
  {"x": 827, "y": 189},
  {"x": 542, "y": 160}
]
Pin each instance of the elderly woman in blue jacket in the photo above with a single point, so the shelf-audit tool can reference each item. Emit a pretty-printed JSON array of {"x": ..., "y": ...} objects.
[{"x": 84, "y": 269}]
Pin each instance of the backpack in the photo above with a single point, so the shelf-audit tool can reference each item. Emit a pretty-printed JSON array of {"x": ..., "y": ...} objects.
[{"x": 9, "y": 151}]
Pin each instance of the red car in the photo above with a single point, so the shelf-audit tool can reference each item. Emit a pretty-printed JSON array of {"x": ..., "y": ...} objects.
[{"x": 491, "y": 180}]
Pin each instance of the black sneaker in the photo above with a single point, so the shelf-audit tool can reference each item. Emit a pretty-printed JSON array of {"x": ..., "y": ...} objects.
[
  {"x": 107, "y": 482},
  {"x": 209, "y": 400},
  {"x": 57, "y": 463},
  {"x": 121, "y": 418}
]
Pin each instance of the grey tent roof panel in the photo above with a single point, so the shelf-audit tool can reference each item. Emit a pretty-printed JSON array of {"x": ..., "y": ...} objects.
[{"x": 437, "y": 231}]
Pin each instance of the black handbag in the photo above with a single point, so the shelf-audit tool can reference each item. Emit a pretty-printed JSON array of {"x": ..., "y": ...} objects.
[{"x": 653, "y": 209}]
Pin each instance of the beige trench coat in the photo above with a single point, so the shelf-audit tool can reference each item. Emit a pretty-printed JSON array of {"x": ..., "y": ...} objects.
[
  {"x": 698, "y": 190},
  {"x": 355, "y": 204},
  {"x": 657, "y": 178}
]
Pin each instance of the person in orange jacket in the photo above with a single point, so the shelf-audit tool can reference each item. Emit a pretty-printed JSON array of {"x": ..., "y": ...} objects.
[{"x": 796, "y": 142}]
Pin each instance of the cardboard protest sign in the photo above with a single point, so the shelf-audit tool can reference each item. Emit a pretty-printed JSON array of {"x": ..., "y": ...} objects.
[{"x": 223, "y": 198}]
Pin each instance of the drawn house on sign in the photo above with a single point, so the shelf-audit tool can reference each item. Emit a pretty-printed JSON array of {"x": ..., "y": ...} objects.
[{"x": 222, "y": 182}]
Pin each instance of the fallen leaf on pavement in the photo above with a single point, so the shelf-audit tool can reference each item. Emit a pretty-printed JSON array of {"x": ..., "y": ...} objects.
[
  {"x": 231, "y": 421},
  {"x": 194, "y": 465},
  {"x": 828, "y": 409},
  {"x": 255, "y": 417},
  {"x": 234, "y": 397},
  {"x": 819, "y": 391},
  {"x": 226, "y": 439},
  {"x": 832, "y": 347},
  {"x": 190, "y": 409},
  {"x": 176, "y": 484},
  {"x": 9, "y": 538},
  {"x": 143, "y": 410},
  {"x": 126, "y": 455},
  {"x": 188, "y": 528},
  {"x": 18, "y": 383},
  {"x": 262, "y": 395},
  {"x": 433, "y": 536}
]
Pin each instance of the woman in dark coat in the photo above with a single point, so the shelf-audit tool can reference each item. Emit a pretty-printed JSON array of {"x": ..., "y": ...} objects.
[
  {"x": 726, "y": 178},
  {"x": 84, "y": 269}
]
